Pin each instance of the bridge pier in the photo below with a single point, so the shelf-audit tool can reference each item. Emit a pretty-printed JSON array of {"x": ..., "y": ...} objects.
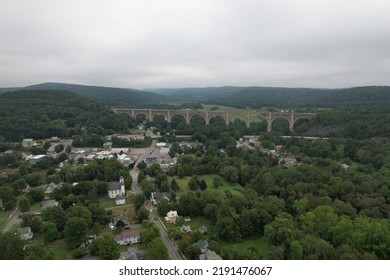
[
  {"x": 269, "y": 122},
  {"x": 291, "y": 117},
  {"x": 291, "y": 123}
]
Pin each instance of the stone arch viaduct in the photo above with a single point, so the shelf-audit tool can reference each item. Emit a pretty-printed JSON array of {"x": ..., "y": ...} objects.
[{"x": 207, "y": 115}]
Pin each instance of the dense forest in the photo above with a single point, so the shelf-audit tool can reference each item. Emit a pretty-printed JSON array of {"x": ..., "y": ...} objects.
[
  {"x": 287, "y": 98},
  {"x": 333, "y": 205},
  {"x": 41, "y": 114},
  {"x": 116, "y": 97}
]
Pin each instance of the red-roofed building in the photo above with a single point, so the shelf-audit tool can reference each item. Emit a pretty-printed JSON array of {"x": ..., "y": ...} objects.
[{"x": 127, "y": 237}]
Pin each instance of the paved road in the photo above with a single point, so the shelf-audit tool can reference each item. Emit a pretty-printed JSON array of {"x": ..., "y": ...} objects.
[
  {"x": 169, "y": 244},
  {"x": 13, "y": 220}
]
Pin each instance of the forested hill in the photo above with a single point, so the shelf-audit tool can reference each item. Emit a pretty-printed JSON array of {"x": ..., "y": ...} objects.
[
  {"x": 257, "y": 97},
  {"x": 42, "y": 114},
  {"x": 116, "y": 97}
]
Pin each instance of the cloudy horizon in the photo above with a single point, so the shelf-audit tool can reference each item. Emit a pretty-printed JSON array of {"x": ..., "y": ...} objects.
[{"x": 195, "y": 43}]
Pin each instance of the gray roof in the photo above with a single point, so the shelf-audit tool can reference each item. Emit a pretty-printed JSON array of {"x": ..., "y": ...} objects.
[
  {"x": 25, "y": 230},
  {"x": 113, "y": 186},
  {"x": 48, "y": 204},
  {"x": 209, "y": 255},
  {"x": 185, "y": 229},
  {"x": 117, "y": 218},
  {"x": 163, "y": 195},
  {"x": 202, "y": 244}
]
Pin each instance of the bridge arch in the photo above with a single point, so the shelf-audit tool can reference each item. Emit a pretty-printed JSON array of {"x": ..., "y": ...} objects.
[
  {"x": 142, "y": 114},
  {"x": 155, "y": 114},
  {"x": 206, "y": 115}
]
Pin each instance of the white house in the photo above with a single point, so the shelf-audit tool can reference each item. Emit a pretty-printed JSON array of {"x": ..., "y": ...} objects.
[
  {"x": 28, "y": 143},
  {"x": 209, "y": 255},
  {"x": 120, "y": 200},
  {"x": 161, "y": 145},
  {"x": 36, "y": 158},
  {"x": 156, "y": 197},
  {"x": 49, "y": 204},
  {"x": 25, "y": 233},
  {"x": 171, "y": 217},
  {"x": 116, "y": 188},
  {"x": 127, "y": 237}
]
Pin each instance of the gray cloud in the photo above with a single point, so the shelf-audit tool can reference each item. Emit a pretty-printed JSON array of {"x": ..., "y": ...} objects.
[{"x": 176, "y": 43}]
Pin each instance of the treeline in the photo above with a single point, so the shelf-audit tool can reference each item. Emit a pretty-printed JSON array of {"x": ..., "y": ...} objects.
[
  {"x": 41, "y": 114},
  {"x": 116, "y": 97},
  {"x": 358, "y": 124},
  {"x": 286, "y": 98},
  {"x": 333, "y": 205}
]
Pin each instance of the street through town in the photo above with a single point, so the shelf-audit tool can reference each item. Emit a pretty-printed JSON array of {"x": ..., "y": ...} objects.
[{"x": 169, "y": 244}]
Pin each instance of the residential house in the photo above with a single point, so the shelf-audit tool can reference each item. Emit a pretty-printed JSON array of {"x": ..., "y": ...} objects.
[
  {"x": 203, "y": 245},
  {"x": 107, "y": 145},
  {"x": 133, "y": 254},
  {"x": 120, "y": 200},
  {"x": 51, "y": 187},
  {"x": 28, "y": 143},
  {"x": 203, "y": 229},
  {"x": 288, "y": 161},
  {"x": 25, "y": 233},
  {"x": 128, "y": 237},
  {"x": 119, "y": 151},
  {"x": 185, "y": 229},
  {"x": 116, "y": 188},
  {"x": 36, "y": 158},
  {"x": 164, "y": 151},
  {"x": 161, "y": 145},
  {"x": 171, "y": 217},
  {"x": 209, "y": 255},
  {"x": 156, "y": 197},
  {"x": 119, "y": 221},
  {"x": 49, "y": 204}
]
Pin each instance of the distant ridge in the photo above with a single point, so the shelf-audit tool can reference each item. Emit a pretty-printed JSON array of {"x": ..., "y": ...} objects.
[
  {"x": 280, "y": 97},
  {"x": 117, "y": 97}
]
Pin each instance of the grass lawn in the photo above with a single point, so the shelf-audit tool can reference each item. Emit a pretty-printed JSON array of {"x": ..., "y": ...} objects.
[
  {"x": 36, "y": 206},
  {"x": 60, "y": 250},
  {"x": 183, "y": 183},
  {"x": 195, "y": 223},
  {"x": 127, "y": 210},
  {"x": 107, "y": 203},
  {"x": 4, "y": 215},
  {"x": 259, "y": 243}
]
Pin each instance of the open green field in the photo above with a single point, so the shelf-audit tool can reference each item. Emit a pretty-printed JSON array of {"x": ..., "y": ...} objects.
[
  {"x": 127, "y": 210},
  {"x": 195, "y": 223},
  {"x": 3, "y": 218},
  {"x": 60, "y": 250},
  {"x": 183, "y": 183},
  {"x": 259, "y": 243}
]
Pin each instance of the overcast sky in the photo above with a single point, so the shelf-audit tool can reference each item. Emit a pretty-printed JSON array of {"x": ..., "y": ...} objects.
[{"x": 197, "y": 43}]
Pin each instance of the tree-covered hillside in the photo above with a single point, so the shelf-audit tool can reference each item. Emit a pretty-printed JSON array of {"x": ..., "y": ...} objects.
[
  {"x": 41, "y": 114},
  {"x": 288, "y": 98},
  {"x": 116, "y": 97}
]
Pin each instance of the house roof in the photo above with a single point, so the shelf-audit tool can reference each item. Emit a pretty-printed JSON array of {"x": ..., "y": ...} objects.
[
  {"x": 49, "y": 203},
  {"x": 185, "y": 229},
  {"x": 172, "y": 214},
  {"x": 209, "y": 255},
  {"x": 25, "y": 230},
  {"x": 202, "y": 244},
  {"x": 158, "y": 196},
  {"x": 113, "y": 186},
  {"x": 203, "y": 228},
  {"x": 117, "y": 218},
  {"x": 126, "y": 234}
]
